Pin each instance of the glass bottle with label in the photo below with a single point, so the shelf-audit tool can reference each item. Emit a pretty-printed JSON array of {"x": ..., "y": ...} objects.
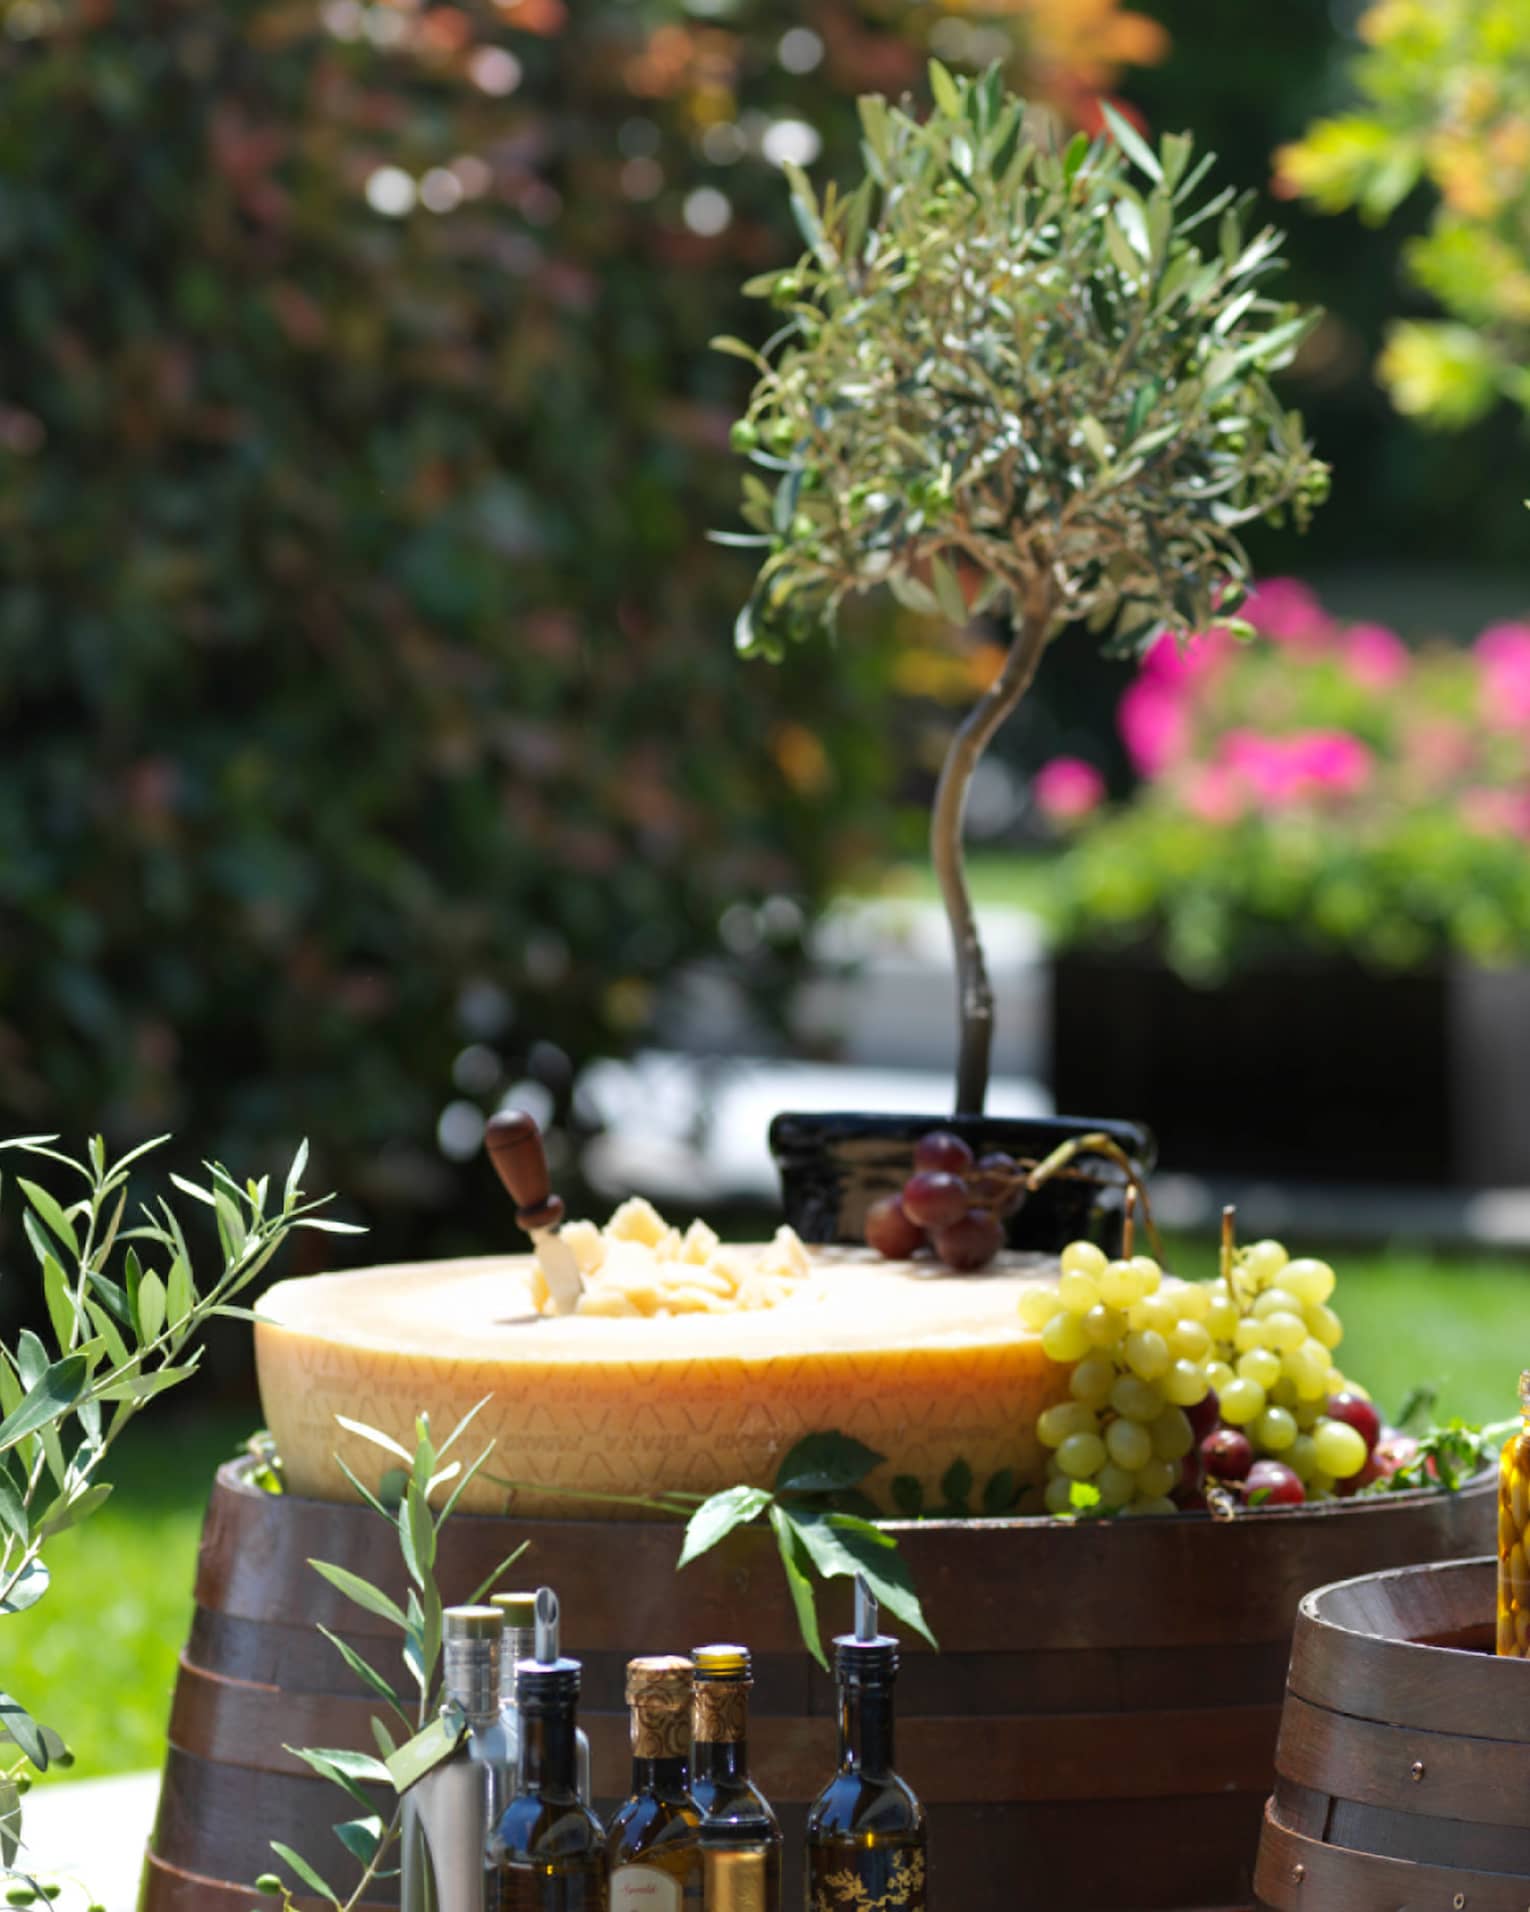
[
  {"x": 866, "y": 1841},
  {"x": 547, "y": 1853},
  {"x": 653, "y": 1850},
  {"x": 447, "y": 1815},
  {"x": 740, "y": 1836},
  {"x": 519, "y": 1610}
]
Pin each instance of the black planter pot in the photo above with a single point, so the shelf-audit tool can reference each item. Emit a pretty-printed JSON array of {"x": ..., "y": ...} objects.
[
  {"x": 833, "y": 1167},
  {"x": 1313, "y": 1071}
]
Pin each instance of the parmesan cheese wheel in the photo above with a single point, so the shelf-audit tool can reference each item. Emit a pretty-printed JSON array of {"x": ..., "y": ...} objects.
[{"x": 924, "y": 1366}]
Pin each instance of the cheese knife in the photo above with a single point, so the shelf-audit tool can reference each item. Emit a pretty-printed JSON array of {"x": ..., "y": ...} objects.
[{"x": 515, "y": 1148}]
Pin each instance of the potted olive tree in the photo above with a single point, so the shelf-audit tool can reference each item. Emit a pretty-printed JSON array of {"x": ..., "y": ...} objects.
[{"x": 1015, "y": 381}]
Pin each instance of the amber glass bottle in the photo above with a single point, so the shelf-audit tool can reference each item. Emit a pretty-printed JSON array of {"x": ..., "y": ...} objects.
[
  {"x": 548, "y": 1851},
  {"x": 653, "y": 1850},
  {"x": 1514, "y": 1536},
  {"x": 866, "y": 1843},
  {"x": 740, "y": 1838}
]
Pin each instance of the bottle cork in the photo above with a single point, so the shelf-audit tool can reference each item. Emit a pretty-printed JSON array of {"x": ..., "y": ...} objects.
[{"x": 659, "y": 1694}]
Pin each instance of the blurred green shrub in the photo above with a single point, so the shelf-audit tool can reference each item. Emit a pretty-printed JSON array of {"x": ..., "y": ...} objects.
[
  {"x": 1445, "y": 101},
  {"x": 373, "y": 732}
]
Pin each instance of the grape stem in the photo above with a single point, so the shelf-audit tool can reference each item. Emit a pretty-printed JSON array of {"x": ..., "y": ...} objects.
[{"x": 1062, "y": 1156}]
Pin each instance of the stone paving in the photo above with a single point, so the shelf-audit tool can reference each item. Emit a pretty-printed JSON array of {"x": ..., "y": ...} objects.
[{"x": 93, "y": 1832}]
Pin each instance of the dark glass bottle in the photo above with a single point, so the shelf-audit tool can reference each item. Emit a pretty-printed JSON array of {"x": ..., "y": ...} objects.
[
  {"x": 520, "y": 1612},
  {"x": 866, "y": 1842},
  {"x": 548, "y": 1850},
  {"x": 653, "y": 1850},
  {"x": 740, "y": 1838}
]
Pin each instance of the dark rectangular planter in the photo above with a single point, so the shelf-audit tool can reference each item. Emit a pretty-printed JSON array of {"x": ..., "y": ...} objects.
[
  {"x": 834, "y": 1166},
  {"x": 1318, "y": 1071}
]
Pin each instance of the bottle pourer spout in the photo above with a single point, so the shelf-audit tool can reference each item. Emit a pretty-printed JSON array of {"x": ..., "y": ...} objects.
[
  {"x": 865, "y": 1610},
  {"x": 547, "y": 1626}
]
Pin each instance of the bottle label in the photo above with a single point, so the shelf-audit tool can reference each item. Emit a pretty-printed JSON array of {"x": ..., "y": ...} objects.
[
  {"x": 644, "y": 1889},
  {"x": 873, "y": 1882},
  {"x": 737, "y": 1881}
]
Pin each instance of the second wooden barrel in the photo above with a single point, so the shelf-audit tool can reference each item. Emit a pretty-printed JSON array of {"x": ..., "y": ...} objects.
[
  {"x": 1097, "y": 1731},
  {"x": 1403, "y": 1768}
]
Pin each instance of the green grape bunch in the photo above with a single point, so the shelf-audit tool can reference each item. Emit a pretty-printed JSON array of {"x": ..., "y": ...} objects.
[{"x": 1223, "y": 1394}]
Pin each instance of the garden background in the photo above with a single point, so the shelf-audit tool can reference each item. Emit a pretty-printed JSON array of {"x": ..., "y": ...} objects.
[{"x": 375, "y": 746}]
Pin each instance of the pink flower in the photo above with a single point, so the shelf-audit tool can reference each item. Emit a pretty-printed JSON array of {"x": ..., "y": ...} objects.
[
  {"x": 1284, "y": 770},
  {"x": 1496, "y": 812},
  {"x": 1216, "y": 794},
  {"x": 1333, "y": 761},
  {"x": 1503, "y": 651},
  {"x": 1437, "y": 749},
  {"x": 1154, "y": 724},
  {"x": 1287, "y": 610},
  {"x": 1067, "y": 788},
  {"x": 1375, "y": 656},
  {"x": 1262, "y": 765},
  {"x": 1168, "y": 661}
]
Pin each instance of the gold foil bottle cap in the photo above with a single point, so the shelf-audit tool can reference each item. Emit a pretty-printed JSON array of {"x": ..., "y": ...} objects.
[
  {"x": 721, "y": 1662},
  {"x": 519, "y": 1609},
  {"x": 721, "y": 1714},
  {"x": 662, "y": 1680}
]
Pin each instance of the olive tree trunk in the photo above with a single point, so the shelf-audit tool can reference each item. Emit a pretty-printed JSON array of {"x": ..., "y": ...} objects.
[{"x": 974, "y": 992}]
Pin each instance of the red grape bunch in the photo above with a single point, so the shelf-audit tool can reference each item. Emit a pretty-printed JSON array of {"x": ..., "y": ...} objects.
[{"x": 953, "y": 1203}]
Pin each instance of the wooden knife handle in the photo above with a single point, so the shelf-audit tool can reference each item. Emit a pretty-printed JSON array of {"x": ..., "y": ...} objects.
[{"x": 515, "y": 1148}]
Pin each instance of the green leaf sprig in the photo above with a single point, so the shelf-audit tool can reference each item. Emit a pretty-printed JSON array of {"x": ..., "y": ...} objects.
[
  {"x": 432, "y": 1730},
  {"x": 1448, "y": 1457},
  {"x": 125, "y": 1308},
  {"x": 824, "y": 1527}
]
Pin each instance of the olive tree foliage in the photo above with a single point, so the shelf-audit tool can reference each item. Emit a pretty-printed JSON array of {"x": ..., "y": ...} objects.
[{"x": 1018, "y": 380}]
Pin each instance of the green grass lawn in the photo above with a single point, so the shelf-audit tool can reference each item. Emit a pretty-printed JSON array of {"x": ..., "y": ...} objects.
[{"x": 97, "y": 1656}]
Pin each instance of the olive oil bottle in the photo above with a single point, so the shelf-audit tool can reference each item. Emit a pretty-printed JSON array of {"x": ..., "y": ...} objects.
[
  {"x": 547, "y": 1853},
  {"x": 866, "y": 1842},
  {"x": 740, "y": 1837},
  {"x": 447, "y": 1816},
  {"x": 653, "y": 1850},
  {"x": 520, "y": 1614},
  {"x": 1514, "y": 1536}
]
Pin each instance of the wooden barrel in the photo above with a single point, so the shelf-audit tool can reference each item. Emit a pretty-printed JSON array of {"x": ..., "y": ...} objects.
[
  {"x": 1403, "y": 1767},
  {"x": 1097, "y": 1732}
]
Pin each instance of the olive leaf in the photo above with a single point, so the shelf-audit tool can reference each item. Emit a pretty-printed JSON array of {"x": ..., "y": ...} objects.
[
  {"x": 435, "y": 1730},
  {"x": 123, "y": 1308}
]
